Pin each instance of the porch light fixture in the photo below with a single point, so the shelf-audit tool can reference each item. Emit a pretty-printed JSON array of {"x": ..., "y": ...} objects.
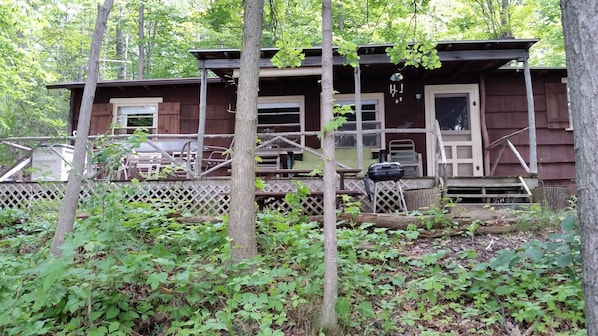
[{"x": 418, "y": 98}]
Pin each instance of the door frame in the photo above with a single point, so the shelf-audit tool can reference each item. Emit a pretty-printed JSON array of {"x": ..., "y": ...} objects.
[{"x": 474, "y": 113}]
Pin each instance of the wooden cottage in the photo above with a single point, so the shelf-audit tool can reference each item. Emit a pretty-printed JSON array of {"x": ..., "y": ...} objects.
[{"x": 483, "y": 114}]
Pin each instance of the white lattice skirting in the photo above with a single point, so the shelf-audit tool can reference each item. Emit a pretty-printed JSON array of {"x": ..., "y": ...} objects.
[{"x": 202, "y": 197}]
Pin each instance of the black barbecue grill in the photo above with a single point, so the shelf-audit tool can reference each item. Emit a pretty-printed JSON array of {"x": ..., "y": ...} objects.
[{"x": 384, "y": 171}]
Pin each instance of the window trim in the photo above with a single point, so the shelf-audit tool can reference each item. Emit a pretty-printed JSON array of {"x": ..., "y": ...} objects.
[
  {"x": 565, "y": 80},
  {"x": 298, "y": 99},
  {"x": 140, "y": 101},
  {"x": 380, "y": 110}
]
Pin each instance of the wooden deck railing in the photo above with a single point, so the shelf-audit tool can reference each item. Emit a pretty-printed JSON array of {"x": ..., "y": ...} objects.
[
  {"x": 505, "y": 142},
  {"x": 440, "y": 157},
  {"x": 176, "y": 156}
]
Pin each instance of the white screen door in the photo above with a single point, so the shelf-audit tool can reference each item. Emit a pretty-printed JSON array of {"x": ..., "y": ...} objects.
[{"x": 457, "y": 109}]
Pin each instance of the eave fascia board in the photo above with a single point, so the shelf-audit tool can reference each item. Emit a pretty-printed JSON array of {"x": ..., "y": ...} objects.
[{"x": 445, "y": 56}]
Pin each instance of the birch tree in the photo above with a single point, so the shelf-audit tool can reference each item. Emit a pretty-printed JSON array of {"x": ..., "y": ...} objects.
[
  {"x": 580, "y": 26},
  {"x": 75, "y": 179},
  {"x": 241, "y": 222}
]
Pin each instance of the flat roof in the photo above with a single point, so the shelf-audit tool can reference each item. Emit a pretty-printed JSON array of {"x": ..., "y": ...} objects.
[
  {"x": 376, "y": 49},
  {"x": 456, "y": 56},
  {"x": 134, "y": 82}
]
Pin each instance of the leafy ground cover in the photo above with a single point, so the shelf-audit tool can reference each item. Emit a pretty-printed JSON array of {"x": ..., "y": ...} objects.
[{"x": 136, "y": 269}]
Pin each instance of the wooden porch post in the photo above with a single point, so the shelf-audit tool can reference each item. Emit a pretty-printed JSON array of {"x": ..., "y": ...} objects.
[
  {"x": 533, "y": 158},
  {"x": 201, "y": 128},
  {"x": 358, "y": 119}
]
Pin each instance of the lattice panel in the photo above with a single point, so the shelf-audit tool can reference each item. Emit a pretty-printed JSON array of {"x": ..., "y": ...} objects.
[
  {"x": 205, "y": 197},
  {"x": 24, "y": 195},
  {"x": 387, "y": 199},
  {"x": 208, "y": 197}
]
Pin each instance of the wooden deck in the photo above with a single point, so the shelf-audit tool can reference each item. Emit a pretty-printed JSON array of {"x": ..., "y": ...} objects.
[{"x": 211, "y": 196}]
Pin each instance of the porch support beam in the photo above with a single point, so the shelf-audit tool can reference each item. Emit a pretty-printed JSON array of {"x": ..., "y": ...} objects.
[
  {"x": 201, "y": 128},
  {"x": 531, "y": 115},
  {"x": 358, "y": 117}
]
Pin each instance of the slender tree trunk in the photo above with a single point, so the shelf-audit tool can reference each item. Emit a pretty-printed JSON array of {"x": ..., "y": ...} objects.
[
  {"x": 506, "y": 31},
  {"x": 328, "y": 318},
  {"x": 75, "y": 180},
  {"x": 580, "y": 27},
  {"x": 241, "y": 222},
  {"x": 141, "y": 63},
  {"x": 119, "y": 47}
]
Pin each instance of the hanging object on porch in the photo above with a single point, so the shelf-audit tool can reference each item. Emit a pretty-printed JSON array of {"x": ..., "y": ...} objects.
[{"x": 396, "y": 87}]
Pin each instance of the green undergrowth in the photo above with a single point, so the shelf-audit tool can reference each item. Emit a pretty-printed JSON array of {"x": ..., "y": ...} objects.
[{"x": 135, "y": 269}]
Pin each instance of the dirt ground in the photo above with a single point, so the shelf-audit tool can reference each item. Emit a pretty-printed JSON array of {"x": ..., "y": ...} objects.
[{"x": 485, "y": 244}]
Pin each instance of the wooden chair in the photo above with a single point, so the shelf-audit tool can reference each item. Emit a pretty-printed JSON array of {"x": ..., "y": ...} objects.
[{"x": 403, "y": 152}]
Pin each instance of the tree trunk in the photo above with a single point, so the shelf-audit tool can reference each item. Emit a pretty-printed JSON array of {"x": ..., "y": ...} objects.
[
  {"x": 580, "y": 27},
  {"x": 141, "y": 64},
  {"x": 119, "y": 48},
  {"x": 75, "y": 180},
  {"x": 506, "y": 31},
  {"x": 328, "y": 318},
  {"x": 241, "y": 222},
  {"x": 422, "y": 199}
]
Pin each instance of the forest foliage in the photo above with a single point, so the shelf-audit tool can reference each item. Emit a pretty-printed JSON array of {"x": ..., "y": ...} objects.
[
  {"x": 47, "y": 42},
  {"x": 133, "y": 268}
]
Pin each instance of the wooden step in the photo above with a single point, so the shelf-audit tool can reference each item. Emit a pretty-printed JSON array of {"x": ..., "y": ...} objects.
[
  {"x": 482, "y": 182},
  {"x": 487, "y": 189},
  {"x": 496, "y": 186},
  {"x": 488, "y": 195}
]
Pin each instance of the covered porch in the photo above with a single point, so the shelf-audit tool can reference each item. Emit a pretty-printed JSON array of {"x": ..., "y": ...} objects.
[{"x": 172, "y": 170}]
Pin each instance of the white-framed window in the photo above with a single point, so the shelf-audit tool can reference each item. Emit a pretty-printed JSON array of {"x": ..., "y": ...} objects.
[
  {"x": 372, "y": 117},
  {"x": 130, "y": 114},
  {"x": 281, "y": 114}
]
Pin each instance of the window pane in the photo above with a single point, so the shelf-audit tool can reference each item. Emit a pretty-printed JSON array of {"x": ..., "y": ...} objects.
[
  {"x": 142, "y": 109},
  {"x": 279, "y": 117},
  {"x": 370, "y": 120},
  {"x": 452, "y": 113},
  {"x": 143, "y": 120}
]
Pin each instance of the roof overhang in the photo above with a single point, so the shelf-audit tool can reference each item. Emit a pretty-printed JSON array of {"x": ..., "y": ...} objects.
[
  {"x": 455, "y": 56},
  {"x": 134, "y": 82}
]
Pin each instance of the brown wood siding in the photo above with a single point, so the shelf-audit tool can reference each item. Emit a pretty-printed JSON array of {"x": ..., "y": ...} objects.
[
  {"x": 189, "y": 120},
  {"x": 101, "y": 118},
  {"x": 507, "y": 112},
  {"x": 557, "y": 113},
  {"x": 169, "y": 118},
  {"x": 179, "y": 112}
]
